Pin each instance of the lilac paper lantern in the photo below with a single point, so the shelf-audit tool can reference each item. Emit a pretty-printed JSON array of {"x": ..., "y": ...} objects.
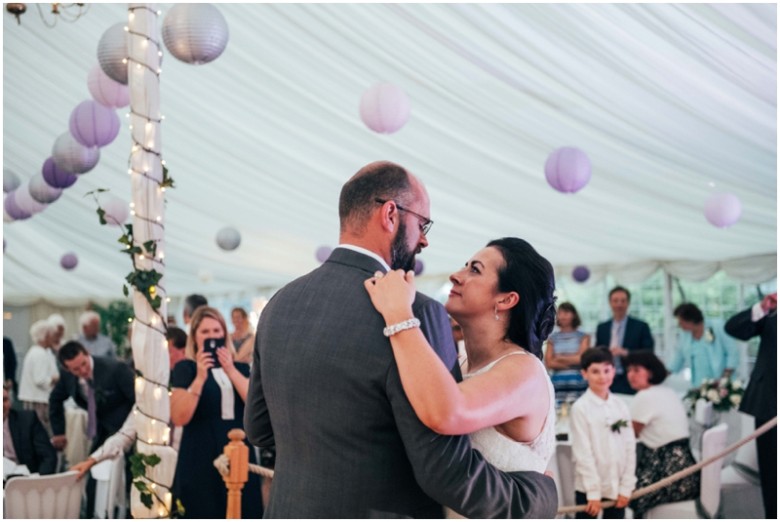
[
  {"x": 69, "y": 261},
  {"x": 112, "y": 53},
  {"x": 580, "y": 273},
  {"x": 41, "y": 191},
  {"x": 385, "y": 108},
  {"x": 107, "y": 91},
  {"x": 55, "y": 176},
  {"x": 93, "y": 124},
  {"x": 419, "y": 266},
  {"x": 13, "y": 210},
  {"x": 323, "y": 253},
  {"x": 10, "y": 180},
  {"x": 228, "y": 238},
  {"x": 72, "y": 156},
  {"x": 116, "y": 211},
  {"x": 567, "y": 169},
  {"x": 723, "y": 209},
  {"x": 26, "y": 202},
  {"x": 195, "y": 33}
]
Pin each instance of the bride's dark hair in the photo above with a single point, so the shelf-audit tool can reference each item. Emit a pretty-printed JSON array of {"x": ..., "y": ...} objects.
[{"x": 530, "y": 275}]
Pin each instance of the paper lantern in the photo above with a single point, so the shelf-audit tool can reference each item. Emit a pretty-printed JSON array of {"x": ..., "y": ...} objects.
[
  {"x": 26, "y": 202},
  {"x": 580, "y": 273},
  {"x": 112, "y": 53},
  {"x": 418, "y": 267},
  {"x": 41, "y": 191},
  {"x": 228, "y": 238},
  {"x": 117, "y": 211},
  {"x": 93, "y": 124},
  {"x": 567, "y": 169},
  {"x": 384, "y": 108},
  {"x": 723, "y": 209},
  {"x": 195, "y": 33},
  {"x": 72, "y": 156},
  {"x": 105, "y": 90},
  {"x": 4, "y": 244},
  {"x": 13, "y": 210},
  {"x": 55, "y": 176},
  {"x": 69, "y": 261},
  {"x": 6, "y": 217},
  {"x": 10, "y": 180},
  {"x": 323, "y": 253}
]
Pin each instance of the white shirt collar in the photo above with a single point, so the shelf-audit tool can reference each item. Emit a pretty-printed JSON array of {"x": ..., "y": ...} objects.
[{"x": 369, "y": 253}]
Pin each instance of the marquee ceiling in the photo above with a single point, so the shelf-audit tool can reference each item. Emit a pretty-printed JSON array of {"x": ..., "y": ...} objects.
[{"x": 670, "y": 102}]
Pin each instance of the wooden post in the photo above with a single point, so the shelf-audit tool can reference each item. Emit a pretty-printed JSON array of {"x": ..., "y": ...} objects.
[{"x": 238, "y": 454}]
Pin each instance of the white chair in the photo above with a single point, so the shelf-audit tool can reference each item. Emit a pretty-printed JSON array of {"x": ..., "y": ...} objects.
[
  {"x": 48, "y": 496},
  {"x": 565, "y": 478},
  {"x": 713, "y": 442},
  {"x": 110, "y": 494}
]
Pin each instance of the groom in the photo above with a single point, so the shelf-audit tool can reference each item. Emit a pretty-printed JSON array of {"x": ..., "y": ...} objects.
[{"x": 326, "y": 391}]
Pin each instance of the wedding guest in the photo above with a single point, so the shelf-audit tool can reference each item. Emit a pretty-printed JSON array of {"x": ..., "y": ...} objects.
[
  {"x": 565, "y": 346},
  {"x": 95, "y": 342},
  {"x": 208, "y": 400},
  {"x": 191, "y": 303},
  {"x": 59, "y": 323},
  {"x": 25, "y": 441},
  {"x": 39, "y": 372},
  {"x": 703, "y": 346},
  {"x": 9, "y": 364},
  {"x": 603, "y": 443},
  {"x": 623, "y": 334},
  {"x": 760, "y": 398},
  {"x": 326, "y": 390},
  {"x": 660, "y": 423},
  {"x": 243, "y": 336}
]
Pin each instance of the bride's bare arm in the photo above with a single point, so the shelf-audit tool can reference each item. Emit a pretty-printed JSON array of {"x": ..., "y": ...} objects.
[{"x": 445, "y": 406}]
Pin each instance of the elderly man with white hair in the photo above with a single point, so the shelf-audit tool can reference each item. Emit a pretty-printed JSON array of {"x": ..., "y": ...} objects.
[
  {"x": 58, "y": 322},
  {"x": 39, "y": 372},
  {"x": 95, "y": 342}
]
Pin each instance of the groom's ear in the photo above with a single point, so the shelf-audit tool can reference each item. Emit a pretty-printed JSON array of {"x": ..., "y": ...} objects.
[{"x": 388, "y": 216}]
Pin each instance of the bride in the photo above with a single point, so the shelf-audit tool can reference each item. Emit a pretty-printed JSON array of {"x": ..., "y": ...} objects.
[{"x": 503, "y": 300}]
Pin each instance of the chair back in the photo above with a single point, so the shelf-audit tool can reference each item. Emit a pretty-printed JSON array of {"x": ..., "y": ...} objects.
[
  {"x": 110, "y": 494},
  {"x": 713, "y": 442},
  {"x": 47, "y": 496}
]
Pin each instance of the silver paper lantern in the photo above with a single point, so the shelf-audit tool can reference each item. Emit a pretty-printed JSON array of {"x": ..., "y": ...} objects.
[
  {"x": 71, "y": 156},
  {"x": 195, "y": 33},
  {"x": 112, "y": 53},
  {"x": 10, "y": 180},
  {"x": 41, "y": 191},
  {"x": 228, "y": 238}
]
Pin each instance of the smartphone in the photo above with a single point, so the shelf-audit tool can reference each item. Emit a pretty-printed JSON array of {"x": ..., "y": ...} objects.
[{"x": 211, "y": 346}]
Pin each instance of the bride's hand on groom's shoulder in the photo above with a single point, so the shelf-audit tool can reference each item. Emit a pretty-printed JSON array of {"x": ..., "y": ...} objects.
[{"x": 392, "y": 294}]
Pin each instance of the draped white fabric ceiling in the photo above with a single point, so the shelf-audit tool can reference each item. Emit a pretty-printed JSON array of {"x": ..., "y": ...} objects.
[{"x": 670, "y": 102}]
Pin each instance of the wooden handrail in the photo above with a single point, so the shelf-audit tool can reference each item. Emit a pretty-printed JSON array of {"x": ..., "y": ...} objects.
[{"x": 238, "y": 454}]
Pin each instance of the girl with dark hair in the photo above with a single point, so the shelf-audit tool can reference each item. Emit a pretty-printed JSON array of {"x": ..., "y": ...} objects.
[
  {"x": 661, "y": 427},
  {"x": 503, "y": 300},
  {"x": 562, "y": 356}
]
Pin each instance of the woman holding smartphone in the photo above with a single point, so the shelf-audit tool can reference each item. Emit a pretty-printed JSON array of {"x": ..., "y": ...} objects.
[{"x": 209, "y": 392}]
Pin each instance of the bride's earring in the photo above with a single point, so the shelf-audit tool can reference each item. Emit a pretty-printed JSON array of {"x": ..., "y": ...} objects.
[{"x": 495, "y": 313}]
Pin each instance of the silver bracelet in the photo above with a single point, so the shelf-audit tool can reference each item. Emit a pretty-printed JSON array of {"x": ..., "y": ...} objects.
[{"x": 400, "y": 327}]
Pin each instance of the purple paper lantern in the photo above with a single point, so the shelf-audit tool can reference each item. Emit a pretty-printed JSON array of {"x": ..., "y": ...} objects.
[
  {"x": 580, "y": 273},
  {"x": 55, "y": 176},
  {"x": 385, "y": 108},
  {"x": 69, "y": 261},
  {"x": 106, "y": 91},
  {"x": 418, "y": 267},
  {"x": 723, "y": 209},
  {"x": 93, "y": 124},
  {"x": 195, "y": 33},
  {"x": 41, "y": 191},
  {"x": 26, "y": 202},
  {"x": 116, "y": 211},
  {"x": 567, "y": 169},
  {"x": 72, "y": 156},
  {"x": 323, "y": 253},
  {"x": 13, "y": 210}
]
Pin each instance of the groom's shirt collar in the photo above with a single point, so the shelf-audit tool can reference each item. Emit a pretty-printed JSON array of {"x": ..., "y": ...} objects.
[{"x": 369, "y": 253}]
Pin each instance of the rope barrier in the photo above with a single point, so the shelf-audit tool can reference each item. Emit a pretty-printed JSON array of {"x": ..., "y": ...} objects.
[{"x": 222, "y": 463}]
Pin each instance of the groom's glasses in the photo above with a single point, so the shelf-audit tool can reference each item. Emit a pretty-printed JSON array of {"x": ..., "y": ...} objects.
[{"x": 425, "y": 223}]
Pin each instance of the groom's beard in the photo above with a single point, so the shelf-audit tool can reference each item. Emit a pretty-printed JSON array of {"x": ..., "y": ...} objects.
[{"x": 400, "y": 256}]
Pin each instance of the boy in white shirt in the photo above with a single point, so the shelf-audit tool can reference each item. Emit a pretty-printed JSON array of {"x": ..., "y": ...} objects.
[{"x": 603, "y": 442}]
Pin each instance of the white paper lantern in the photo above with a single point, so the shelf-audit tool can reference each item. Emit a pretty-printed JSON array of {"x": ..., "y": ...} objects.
[
  {"x": 10, "y": 180},
  {"x": 117, "y": 210},
  {"x": 41, "y": 191},
  {"x": 112, "y": 53},
  {"x": 26, "y": 202},
  {"x": 105, "y": 90},
  {"x": 72, "y": 156},
  {"x": 195, "y": 33},
  {"x": 228, "y": 238},
  {"x": 385, "y": 108},
  {"x": 723, "y": 209}
]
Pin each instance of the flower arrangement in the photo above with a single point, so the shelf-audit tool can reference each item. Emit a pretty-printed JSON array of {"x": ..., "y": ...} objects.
[{"x": 723, "y": 393}]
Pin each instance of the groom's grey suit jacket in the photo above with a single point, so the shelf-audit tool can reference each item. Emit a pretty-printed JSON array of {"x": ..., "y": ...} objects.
[{"x": 326, "y": 391}]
